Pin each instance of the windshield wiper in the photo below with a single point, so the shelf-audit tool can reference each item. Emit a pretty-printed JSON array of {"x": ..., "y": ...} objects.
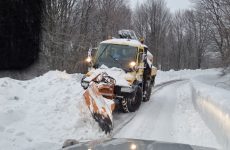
[
  {"x": 102, "y": 52},
  {"x": 99, "y": 57}
]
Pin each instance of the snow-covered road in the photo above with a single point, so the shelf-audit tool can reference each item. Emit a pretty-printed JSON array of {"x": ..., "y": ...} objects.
[
  {"x": 170, "y": 116},
  {"x": 187, "y": 106}
]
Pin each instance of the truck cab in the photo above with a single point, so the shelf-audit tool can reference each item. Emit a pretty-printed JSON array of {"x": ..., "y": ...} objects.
[{"x": 133, "y": 58}]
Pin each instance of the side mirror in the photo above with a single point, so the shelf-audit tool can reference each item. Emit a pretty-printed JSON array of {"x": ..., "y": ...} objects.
[
  {"x": 144, "y": 57},
  {"x": 89, "y": 58}
]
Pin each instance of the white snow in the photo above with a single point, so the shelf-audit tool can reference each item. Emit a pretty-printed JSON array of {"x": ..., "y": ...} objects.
[
  {"x": 177, "y": 114},
  {"x": 187, "y": 106},
  {"x": 130, "y": 42},
  {"x": 42, "y": 113},
  {"x": 214, "y": 105},
  {"x": 170, "y": 117},
  {"x": 118, "y": 74}
]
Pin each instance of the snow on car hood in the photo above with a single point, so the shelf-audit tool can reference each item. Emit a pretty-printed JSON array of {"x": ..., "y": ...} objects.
[{"x": 118, "y": 74}]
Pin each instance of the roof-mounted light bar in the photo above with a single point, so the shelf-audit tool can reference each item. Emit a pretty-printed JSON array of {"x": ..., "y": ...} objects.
[{"x": 127, "y": 34}]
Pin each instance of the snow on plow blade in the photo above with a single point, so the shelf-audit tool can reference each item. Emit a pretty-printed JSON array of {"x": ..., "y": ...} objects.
[{"x": 100, "y": 107}]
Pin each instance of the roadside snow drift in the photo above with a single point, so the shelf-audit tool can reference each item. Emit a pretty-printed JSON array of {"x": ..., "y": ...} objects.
[
  {"x": 214, "y": 105},
  {"x": 42, "y": 113}
]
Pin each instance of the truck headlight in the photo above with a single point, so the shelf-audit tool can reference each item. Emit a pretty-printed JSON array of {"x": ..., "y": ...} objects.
[
  {"x": 132, "y": 64},
  {"x": 88, "y": 59}
]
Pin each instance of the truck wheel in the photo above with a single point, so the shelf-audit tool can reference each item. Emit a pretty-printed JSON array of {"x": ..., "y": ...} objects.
[
  {"x": 148, "y": 88},
  {"x": 132, "y": 104}
]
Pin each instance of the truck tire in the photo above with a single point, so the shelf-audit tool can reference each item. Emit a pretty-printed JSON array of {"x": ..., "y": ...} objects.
[{"x": 132, "y": 104}]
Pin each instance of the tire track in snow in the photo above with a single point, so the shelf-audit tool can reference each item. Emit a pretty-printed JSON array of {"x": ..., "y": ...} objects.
[
  {"x": 130, "y": 116},
  {"x": 164, "y": 84},
  {"x": 120, "y": 123},
  {"x": 170, "y": 116}
]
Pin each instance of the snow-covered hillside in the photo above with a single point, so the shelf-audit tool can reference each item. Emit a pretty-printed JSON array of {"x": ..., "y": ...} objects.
[{"x": 42, "y": 113}]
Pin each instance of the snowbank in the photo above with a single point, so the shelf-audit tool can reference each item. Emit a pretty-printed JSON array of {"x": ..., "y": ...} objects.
[
  {"x": 213, "y": 103},
  {"x": 42, "y": 113},
  {"x": 211, "y": 97},
  {"x": 165, "y": 76}
]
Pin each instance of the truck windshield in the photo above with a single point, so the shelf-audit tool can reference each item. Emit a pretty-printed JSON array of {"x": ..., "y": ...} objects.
[{"x": 113, "y": 55}]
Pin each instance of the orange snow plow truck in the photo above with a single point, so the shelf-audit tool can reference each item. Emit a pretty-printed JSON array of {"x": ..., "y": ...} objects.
[{"x": 121, "y": 75}]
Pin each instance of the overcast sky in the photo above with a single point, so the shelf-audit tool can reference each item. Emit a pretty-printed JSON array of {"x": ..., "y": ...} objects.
[{"x": 174, "y": 5}]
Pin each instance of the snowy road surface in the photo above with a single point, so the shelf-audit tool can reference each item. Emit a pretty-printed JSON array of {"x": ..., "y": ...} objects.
[{"x": 170, "y": 116}]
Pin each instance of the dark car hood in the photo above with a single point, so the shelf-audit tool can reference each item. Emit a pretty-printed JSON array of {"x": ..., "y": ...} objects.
[{"x": 131, "y": 144}]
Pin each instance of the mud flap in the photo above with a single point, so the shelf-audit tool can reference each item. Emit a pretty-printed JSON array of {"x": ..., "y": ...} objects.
[{"x": 100, "y": 107}]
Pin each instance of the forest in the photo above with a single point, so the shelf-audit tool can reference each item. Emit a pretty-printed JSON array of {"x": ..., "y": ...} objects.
[
  {"x": 186, "y": 39},
  {"x": 178, "y": 41}
]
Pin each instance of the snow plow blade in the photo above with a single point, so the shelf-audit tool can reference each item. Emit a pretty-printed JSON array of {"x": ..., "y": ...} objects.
[{"x": 98, "y": 98}]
